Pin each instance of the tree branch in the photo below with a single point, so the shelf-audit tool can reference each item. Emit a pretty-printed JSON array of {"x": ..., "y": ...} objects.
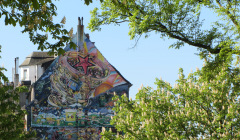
[
  {"x": 233, "y": 19},
  {"x": 172, "y": 35},
  {"x": 185, "y": 39}
]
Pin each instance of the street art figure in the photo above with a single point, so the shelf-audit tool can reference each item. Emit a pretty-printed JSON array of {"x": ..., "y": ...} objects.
[{"x": 73, "y": 98}]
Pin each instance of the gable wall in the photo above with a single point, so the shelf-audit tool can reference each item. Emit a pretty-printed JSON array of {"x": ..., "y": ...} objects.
[{"x": 32, "y": 71}]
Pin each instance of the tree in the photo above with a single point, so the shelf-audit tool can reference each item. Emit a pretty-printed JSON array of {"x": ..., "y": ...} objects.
[
  {"x": 11, "y": 114},
  {"x": 177, "y": 19},
  {"x": 36, "y": 18},
  {"x": 205, "y": 104}
]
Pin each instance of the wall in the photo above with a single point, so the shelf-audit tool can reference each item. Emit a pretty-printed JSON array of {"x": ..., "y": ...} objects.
[
  {"x": 32, "y": 71},
  {"x": 73, "y": 98},
  {"x": 39, "y": 71},
  {"x": 22, "y": 98}
]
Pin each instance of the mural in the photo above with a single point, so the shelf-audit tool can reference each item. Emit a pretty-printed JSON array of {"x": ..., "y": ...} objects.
[
  {"x": 77, "y": 77},
  {"x": 73, "y": 98},
  {"x": 72, "y": 117},
  {"x": 69, "y": 133}
]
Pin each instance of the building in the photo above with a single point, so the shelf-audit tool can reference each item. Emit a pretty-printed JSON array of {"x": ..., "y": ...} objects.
[
  {"x": 34, "y": 66},
  {"x": 73, "y": 97},
  {"x": 31, "y": 70}
]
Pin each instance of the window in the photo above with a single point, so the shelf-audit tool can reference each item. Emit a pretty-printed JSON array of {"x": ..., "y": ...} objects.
[{"x": 24, "y": 74}]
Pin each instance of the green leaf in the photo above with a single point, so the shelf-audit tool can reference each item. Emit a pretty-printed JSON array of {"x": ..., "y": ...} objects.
[
  {"x": 6, "y": 20},
  {"x": 87, "y": 2},
  {"x": 35, "y": 4},
  {"x": 72, "y": 45},
  {"x": 61, "y": 51}
]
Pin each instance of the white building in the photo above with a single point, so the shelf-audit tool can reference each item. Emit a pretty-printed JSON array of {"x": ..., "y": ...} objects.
[{"x": 34, "y": 66}]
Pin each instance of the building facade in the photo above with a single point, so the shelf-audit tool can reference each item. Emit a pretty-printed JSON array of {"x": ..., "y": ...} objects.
[
  {"x": 34, "y": 66},
  {"x": 73, "y": 97}
]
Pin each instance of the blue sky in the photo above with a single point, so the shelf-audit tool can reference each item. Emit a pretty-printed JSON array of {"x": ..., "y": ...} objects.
[{"x": 150, "y": 59}]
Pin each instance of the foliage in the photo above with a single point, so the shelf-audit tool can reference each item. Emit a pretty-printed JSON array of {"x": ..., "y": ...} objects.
[
  {"x": 177, "y": 19},
  {"x": 205, "y": 104},
  {"x": 87, "y": 2},
  {"x": 2, "y": 76},
  {"x": 35, "y": 16},
  {"x": 11, "y": 114}
]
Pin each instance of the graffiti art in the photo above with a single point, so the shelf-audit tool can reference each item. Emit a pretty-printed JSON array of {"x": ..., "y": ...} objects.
[
  {"x": 71, "y": 117},
  {"x": 73, "y": 98},
  {"x": 68, "y": 133}
]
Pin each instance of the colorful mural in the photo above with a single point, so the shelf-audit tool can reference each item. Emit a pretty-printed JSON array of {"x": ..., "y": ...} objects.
[
  {"x": 68, "y": 133},
  {"x": 71, "y": 117},
  {"x": 77, "y": 77},
  {"x": 73, "y": 98}
]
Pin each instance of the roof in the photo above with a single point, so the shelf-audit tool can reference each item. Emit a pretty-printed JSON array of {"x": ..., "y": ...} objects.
[{"x": 37, "y": 58}]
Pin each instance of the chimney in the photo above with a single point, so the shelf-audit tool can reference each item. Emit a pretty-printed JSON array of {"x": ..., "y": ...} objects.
[
  {"x": 16, "y": 65},
  {"x": 16, "y": 75},
  {"x": 13, "y": 73},
  {"x": 80, "y": 31}
]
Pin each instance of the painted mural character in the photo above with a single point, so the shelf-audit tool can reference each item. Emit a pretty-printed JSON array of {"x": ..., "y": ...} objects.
[{"x": 102, "y": 101}]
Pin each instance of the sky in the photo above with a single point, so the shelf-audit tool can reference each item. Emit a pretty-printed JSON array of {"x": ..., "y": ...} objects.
[{"x": 149, "y": 60}]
